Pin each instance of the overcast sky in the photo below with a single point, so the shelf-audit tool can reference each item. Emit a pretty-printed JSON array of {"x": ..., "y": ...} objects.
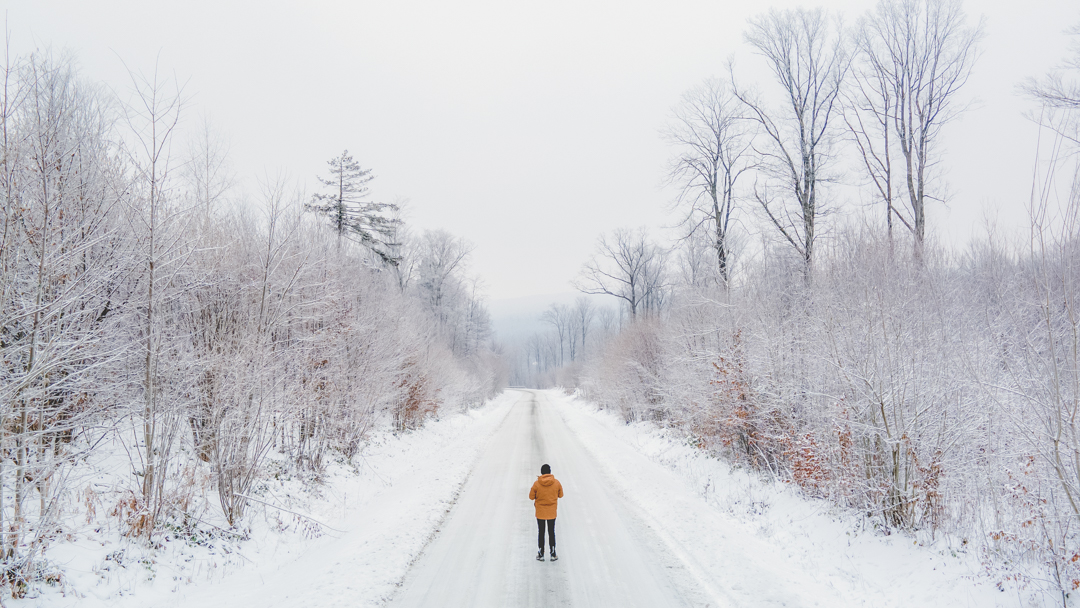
[{"x": 527, "y": 128}]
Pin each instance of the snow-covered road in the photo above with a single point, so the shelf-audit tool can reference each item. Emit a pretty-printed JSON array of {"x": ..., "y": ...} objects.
[
  {"x": 484, "y": 553},
  {"x": 633, "y": 532}
]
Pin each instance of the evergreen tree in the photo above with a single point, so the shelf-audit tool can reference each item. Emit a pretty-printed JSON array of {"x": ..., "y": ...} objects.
[{"x": 369, "y": 223}]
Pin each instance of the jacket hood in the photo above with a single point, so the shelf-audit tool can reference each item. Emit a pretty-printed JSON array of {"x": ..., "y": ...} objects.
[{"x": 546, "y": 480}]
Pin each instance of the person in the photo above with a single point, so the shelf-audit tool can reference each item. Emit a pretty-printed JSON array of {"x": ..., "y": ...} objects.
[{"x": 545, "y": 494}]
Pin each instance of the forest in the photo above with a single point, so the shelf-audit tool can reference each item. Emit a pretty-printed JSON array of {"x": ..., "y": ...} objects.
[
  {"x": 934, "y": 390},
  {"x": 151, "y": 312}
]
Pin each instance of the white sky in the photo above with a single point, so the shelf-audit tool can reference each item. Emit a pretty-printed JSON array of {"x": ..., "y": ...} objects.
[{"x": 527, "y": 128}]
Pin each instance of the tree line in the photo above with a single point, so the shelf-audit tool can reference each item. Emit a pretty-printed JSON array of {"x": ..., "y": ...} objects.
[
  {"x": 150, "y": 309},
  {"x": 931, "y": 390}
]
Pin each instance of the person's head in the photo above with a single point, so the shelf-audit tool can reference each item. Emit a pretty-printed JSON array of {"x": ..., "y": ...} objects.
[{"x": 545, "y": 470}]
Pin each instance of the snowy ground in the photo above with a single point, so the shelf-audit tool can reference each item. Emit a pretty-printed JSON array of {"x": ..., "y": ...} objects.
[
  {"x": 439, "y": 517},
  {"x": 763, "y": 544},
  {"x": 374, "y": 519}
]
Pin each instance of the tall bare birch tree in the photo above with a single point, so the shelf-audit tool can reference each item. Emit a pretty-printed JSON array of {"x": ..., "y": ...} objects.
[
  {"x": 713, "y": 144},
  {"x": 914, "y": 57},
  {"x": 805, "y": 53}
]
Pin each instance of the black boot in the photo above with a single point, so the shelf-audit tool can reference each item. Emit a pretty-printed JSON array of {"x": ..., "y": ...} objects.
[
  {"x": 540, "y": 555},
  {"x": 554, "y": 557}
]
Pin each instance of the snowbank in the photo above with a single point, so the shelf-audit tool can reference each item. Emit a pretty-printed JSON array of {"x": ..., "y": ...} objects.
[{"x": 757, "y": 543}]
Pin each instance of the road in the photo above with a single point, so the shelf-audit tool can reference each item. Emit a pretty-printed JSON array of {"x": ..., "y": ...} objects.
[{"x": 484, "y": 553}]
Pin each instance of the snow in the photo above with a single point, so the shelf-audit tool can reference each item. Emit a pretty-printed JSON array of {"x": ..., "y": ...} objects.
[
  {"x": 374, "y": 521},
  {"x": 484, "y": 555},
  {"x": 439, "y": 516},
  {"x": 765, "y": 543}
]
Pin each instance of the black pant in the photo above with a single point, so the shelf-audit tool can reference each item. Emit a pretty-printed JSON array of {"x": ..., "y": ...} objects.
[{"x": 550, "y": 531}]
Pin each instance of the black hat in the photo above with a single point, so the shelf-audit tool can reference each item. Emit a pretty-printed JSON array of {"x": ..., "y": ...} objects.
[{"x": 545, "y": 470}]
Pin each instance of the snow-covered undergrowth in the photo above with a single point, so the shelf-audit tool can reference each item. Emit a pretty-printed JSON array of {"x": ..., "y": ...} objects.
[
  {"x": 827, "y": 555},
  {"x": 353, "y": 532}
]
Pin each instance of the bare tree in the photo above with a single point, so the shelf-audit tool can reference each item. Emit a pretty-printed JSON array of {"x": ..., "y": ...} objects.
[
  {"x": 558, "y": 316},
  {"x": 712, "y": 143},
  {"x": 655, "y": 281},
  {"x": 476, "y": 319},
  {"x": 440, "y": 262},
  {"x": 608, "y": 319},
  {"x": 915, "y": 57},
  {"x": 805, "y": 52},
  {"x": 153, "y": 117},
  {"x": 627, "y": 266},
  {"x": 534, "y": 348},
  {"x": 696, "y": 261},
  {"x": 583, "y": 314}
]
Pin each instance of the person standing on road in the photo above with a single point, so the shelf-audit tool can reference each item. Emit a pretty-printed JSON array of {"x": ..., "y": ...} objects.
[{"x": 545, "y": 494}]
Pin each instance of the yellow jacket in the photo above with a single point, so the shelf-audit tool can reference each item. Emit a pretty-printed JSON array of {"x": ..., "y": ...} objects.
[{"x": 545, "y": 494}]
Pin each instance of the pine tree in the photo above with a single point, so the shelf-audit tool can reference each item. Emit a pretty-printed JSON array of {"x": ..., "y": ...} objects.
[{"x": 369, "y": 223}]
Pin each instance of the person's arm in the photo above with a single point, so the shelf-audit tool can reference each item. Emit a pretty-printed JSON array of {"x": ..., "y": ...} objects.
[
  {"x": 532, "y": 492},
  {"x": 560, "y": 489}
]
